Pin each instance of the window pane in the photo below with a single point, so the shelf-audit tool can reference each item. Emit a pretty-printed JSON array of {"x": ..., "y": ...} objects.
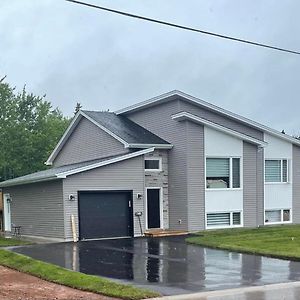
[
  {"x": 217, "y": 172},
  {"x": 273, "y": 216},
  {"x": 222, "y": 219},
  {"x": 273, "y": 171},
  {"x": 235, "y": 172},
  {"x": 286, "y": 215},
  {"x": 236, "y": 218},
  {"x": 284, "y": 171},
  {"x": 152, "y": 164}
]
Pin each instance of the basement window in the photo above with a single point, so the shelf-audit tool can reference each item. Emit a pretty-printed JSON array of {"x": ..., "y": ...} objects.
[
  {"x": 153, "y": 164},
  {"x": 277, "y": 216},
  {"x": 222, "y": 220}
]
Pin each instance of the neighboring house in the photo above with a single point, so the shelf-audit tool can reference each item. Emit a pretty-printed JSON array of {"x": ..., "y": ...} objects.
[{"x": 172, "y": 162}]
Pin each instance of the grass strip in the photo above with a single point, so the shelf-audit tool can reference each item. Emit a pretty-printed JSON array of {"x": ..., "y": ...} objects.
[
  {"x": 281, "y": 241},
  {"x": 7, "y": 242},
  {"x": 70, "y": 278}
]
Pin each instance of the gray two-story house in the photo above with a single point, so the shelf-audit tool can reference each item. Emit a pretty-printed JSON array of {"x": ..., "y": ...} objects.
[{"x": 172, "y": 162}]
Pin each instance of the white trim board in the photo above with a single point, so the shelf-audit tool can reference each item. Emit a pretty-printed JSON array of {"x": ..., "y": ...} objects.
[
  {"x": 199, "y": 102},
  {"x": 188, "y": 116}
]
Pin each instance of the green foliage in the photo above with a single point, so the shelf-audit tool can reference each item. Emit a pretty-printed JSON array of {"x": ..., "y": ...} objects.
[
  {"x": 7, "y": 242},
  {"x": 29, "y": 130},
  {"x": 282, "y": 241},
  {"x": 72, "y": 279}
]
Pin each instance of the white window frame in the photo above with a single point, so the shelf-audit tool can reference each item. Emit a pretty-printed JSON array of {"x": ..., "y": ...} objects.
[
  {"x": 281, "y": 216},
  {"x": 159, "y": 161},
  {"x": 230, "y": 188},
  {"x": 281, "y": 173},
  {"x": 231, "y": 219}
]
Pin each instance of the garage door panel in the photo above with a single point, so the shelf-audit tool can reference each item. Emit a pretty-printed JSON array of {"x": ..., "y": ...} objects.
[{"x": 105, "y": 214}]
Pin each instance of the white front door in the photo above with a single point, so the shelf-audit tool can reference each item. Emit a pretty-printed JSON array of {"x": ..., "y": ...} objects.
[{"x": 7, "y": 212}]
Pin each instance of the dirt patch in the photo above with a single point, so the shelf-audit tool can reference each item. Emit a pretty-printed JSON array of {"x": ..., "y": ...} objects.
[{"x": 15, "y": 285}]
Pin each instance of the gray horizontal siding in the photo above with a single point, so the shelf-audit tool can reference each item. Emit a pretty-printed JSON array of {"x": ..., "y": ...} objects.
[
  {"x": 125, "y": 175},
  {"x": 296, "y": 184},
  {"x": 195, "y": 176},
  {"x": 221, "y": 119},
  {"x": 88, "y": 142},
  {"x": 250, "y": 184},
  {"x": 38, "y": 208},
  {"x": 260, "y": 186},
  {"x": 158, "y": 120}
]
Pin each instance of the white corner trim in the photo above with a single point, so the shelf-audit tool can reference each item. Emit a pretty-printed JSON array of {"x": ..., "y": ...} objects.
[
  {"x": 156, "y": 146},
  {"x": 106, "y": 130},
  {"x": 188, "y": 116},
  {"x": 105, "y": 163},
  {"x": 63, "y": 139},
  {"x": 199, "y": 102}
]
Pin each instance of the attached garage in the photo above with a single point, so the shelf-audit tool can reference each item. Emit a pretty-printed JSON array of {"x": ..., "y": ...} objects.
[{"x": 105, "y": 214}]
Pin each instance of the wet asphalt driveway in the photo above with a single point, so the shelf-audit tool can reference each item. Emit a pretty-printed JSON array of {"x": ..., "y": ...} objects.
[{"x": 168, "y": 265}]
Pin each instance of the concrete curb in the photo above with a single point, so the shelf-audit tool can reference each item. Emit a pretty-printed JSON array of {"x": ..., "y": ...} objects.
[{"x": 231, "y": 292}]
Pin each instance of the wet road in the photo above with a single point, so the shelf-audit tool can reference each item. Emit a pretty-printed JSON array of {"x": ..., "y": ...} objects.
[{"x": 167, "y": 265}]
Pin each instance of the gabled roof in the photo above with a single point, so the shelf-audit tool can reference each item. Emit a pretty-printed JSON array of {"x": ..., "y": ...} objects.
[
  {"x": 199, "y": 102},
  {"x": 130, "y": 134},
  {"x": 65, "y": 171}
]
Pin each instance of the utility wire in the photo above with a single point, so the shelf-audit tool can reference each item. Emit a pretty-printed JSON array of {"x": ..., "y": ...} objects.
[{"x": 184, "y": 27}]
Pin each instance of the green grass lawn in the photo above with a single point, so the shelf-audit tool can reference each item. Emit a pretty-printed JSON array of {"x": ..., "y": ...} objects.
[
  {"x": 66, "y": 277},
  {"x": 276, "y": 241},
  {"x": 7, "y": 242}
]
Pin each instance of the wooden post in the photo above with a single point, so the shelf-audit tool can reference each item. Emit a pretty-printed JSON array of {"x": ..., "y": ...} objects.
[{"x": 74, "y": 229}]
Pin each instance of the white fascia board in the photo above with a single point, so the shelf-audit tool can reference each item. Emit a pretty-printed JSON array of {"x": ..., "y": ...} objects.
[
  {"x": 105, "y": 163},
  {"x": 188, "y": 116},
  {"x": 21, "y": 182},
  {"x": 126, "y": 145},
  {"x": 63, "y": 139},
  {"x": 156, "y": 146},
  {"x": 166, "y": 97}
]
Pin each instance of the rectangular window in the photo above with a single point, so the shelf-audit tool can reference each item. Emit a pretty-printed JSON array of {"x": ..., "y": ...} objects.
[
  {"x": 222, "y": 219},
  {"x": 235, "y": 172},
  {"x": 236, "y": 218},
  {"x": 276, "y": 170},
  {"x": 152, "y": 164},
  {"x": 222, "y": 173},
  {"x": 227, "y": 219},
  {"x": 278, "y": 216}
]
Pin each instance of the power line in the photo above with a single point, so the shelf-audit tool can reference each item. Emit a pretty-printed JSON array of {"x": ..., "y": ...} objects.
[{"x": 184, "y": 27}]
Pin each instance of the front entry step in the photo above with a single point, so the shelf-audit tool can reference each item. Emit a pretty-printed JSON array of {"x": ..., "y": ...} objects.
[{"x": 164, "y": 232}]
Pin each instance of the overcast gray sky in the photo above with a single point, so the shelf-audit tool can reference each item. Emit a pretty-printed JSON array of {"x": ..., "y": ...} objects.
[{"x": 105, "y": 61}]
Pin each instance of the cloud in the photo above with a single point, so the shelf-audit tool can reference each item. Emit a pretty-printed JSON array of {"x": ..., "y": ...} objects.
[{"x": 73, "y": 53}]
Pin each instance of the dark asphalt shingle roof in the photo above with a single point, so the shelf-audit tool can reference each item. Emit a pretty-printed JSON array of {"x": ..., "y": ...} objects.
[
  {"x": 51, "y": 173},
  {"x": 124, "y": 128}
]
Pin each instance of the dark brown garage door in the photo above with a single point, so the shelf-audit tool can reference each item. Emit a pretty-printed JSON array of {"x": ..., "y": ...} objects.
[{"x": 105, "y": 214}]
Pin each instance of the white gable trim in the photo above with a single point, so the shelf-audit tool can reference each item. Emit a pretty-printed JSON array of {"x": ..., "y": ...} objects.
[
  {"x": 156, "y": 146},
  {"x": 126, "y": 145},
  {"x": 173, "y": 94},
  {"x": 105, "y": 163},
  {"x": 188, "y": 116}
]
